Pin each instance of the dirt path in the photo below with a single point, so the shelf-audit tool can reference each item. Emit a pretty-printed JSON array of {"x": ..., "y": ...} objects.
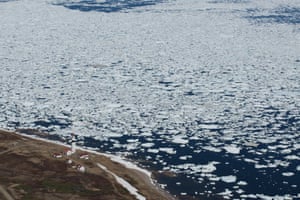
[{"x": 5, "y": 193}]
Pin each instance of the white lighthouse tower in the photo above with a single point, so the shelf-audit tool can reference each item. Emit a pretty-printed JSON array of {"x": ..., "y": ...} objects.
[{"x": 73, "y": 144}]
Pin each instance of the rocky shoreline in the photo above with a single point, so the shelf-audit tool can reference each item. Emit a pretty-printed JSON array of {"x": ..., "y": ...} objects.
[{"x": 36, "y": 168}]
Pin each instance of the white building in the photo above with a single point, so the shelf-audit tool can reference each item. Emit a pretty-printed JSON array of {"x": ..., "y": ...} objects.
[
  {"x": 73, "y": 144},
  {"x": 68, "y": 152},
  {"x": 84, "y": 156},
  {"x": 80, "y": 168},
  {"x": 57, "y": 155},
  {"x": 69, "y": 161}
]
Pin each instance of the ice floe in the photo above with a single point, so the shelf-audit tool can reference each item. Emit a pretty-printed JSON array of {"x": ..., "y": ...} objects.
[
  {"x": 228, "y": 179},
  {"x": 213, "y": 149},
  {"x": 167, "y": 150},
  {"x": 232, "y": 149},
  {"x": 288, "y": 174},
  {"x": 242, "y": 183}
]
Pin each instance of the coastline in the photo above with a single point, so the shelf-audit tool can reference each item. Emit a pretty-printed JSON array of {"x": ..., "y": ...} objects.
[{"x": 137, "y": 181}]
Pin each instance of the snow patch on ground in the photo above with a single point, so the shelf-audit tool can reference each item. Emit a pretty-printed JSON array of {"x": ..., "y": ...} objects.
[{"x": 132, "y": 190}]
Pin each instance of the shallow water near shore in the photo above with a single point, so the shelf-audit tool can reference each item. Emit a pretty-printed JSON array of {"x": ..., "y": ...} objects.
[{"x": 205, "y": 93}]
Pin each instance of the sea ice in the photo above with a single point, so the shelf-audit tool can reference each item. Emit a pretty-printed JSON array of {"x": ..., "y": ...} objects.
[
  {"x": 153, "y": 151},
  {"x": 228, "y": 179},
  {"x": 232, "y": 149},
  {"x": 213, "y": 149},
  {"x": 259, "y": 166},
  {"x": 227, "y": 193},
  {"x": 180, "y": 140},
  {"x": 292, "y": 157},
  {"x": 147, "y": 145},
  {"x": 167, "y": 150},
  {"x": 184, "y": 157},
  {"x": 209, "y": 168},
  {"x": 288, "y": 174},
  {"x": 242, "y": 183}
]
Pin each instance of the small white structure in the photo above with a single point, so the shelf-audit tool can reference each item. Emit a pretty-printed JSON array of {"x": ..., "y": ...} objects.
[
  {"x": 69, "y": 161},
  {"x": 57, "y": 155},
  {"x": 84, "y": 156},
  {"x": 68, "y": 152},
  {"x": 73, "y": 144},
  {"x": 80, "y": 168}
]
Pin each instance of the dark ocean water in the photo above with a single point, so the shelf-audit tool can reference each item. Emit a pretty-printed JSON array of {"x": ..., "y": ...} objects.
[
  {"x": 106, "y": 6},
  {"x": 265, "y": 180},
  {"x": 260, "y": 167},
  {"x": 281, "y": 14}
]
